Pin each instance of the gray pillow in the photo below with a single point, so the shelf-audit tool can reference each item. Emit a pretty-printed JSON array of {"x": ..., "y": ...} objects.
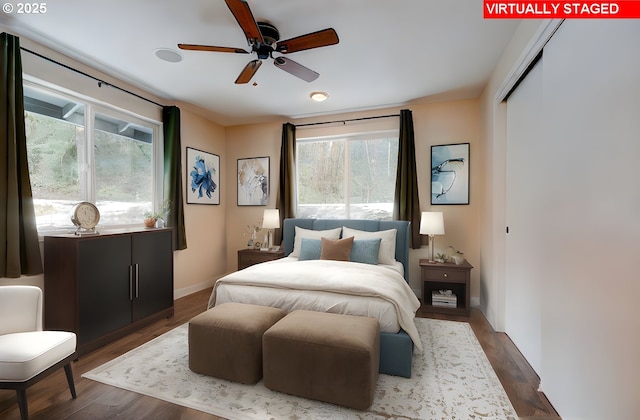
[
  {"x": 310, "y": 249},
  {"x": 365, "y": 251}
]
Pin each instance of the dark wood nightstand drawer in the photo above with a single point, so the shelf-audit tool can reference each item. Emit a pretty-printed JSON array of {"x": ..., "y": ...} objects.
[
  {"x": 445, "y": 274},
  {"x": 257, "y": 258},
  {"x": 249, "y": 257}
]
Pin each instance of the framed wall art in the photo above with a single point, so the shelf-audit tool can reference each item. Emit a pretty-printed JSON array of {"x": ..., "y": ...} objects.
[
  {"x": 450, "y": 174},
  {"x": 203, "y": 180},
  {"x": 253, "y": 181}
]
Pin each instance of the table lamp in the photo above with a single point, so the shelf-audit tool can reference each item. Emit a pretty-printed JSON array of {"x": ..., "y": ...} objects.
[
  {"x": 270, "y": 221},
  {"x": 432, "y": 223}
]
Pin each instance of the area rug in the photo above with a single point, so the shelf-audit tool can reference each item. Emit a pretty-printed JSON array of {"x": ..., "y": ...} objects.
[{"x": 452, "y": 379}]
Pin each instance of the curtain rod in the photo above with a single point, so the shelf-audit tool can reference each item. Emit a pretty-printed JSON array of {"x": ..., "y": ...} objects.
[
  {"x": 100, "y": 81},
  {"x": 348, "y": 120}
]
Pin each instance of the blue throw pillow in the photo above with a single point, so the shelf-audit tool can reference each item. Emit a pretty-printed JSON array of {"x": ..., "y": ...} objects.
[
  {"x": 310, "y": 249},
  {"x": 365, "y": 251}
]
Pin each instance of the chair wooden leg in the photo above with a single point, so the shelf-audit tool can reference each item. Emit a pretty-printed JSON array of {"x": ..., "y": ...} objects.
[
  {"x": 69, "y": 373},
  {"x": 21, "y": 387},
  {"x": 21, "y": 393}
]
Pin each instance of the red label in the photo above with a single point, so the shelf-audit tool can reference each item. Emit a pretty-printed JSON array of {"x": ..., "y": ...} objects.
[{"x": 627, "y": 9}]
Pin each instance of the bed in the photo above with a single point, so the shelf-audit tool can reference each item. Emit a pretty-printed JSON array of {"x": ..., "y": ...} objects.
[{"x": 303, "y": 281}]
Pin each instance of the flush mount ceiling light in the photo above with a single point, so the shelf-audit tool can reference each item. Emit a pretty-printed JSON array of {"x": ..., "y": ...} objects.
[
  {"x": 168, "y": 54},
  {"x": 319, "y": 96}
]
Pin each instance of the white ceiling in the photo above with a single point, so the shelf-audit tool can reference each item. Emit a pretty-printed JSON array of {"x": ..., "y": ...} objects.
[{"x": 391, "y": 52}]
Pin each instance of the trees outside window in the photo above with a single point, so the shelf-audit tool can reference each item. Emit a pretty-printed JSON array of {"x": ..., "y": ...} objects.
[
  {"x": 80, "y": 151},
  {"x": 349, "y": 176}
]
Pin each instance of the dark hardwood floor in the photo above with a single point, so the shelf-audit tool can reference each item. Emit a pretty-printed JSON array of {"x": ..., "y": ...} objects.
[{"x": 50, "y": 398}]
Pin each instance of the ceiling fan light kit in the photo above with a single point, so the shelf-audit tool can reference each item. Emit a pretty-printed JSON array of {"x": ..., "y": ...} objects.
[
  {"x": 319, "y": 96},
  {"x": 264, "y": 40}
]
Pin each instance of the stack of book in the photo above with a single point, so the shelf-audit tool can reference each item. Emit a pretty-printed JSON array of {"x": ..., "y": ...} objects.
[{"x": 444, "y": 298}]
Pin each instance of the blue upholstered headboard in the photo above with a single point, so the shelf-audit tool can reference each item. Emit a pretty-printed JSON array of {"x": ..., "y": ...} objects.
[{"x": 402, "y": 237}]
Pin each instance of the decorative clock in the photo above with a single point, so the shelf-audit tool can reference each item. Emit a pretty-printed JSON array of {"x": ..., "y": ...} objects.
[{"x": 85, "y": 216}]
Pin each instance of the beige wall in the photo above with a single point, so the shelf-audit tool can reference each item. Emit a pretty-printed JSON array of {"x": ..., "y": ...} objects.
[
  {"x": 445, "y": 123},
  {"x": 255, "y": 140},
  {"x": 203, "y": 261}
]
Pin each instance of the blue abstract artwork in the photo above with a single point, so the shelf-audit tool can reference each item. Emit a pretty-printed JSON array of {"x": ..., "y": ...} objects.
[
  {"x": 450, "y": 174},
  {"x": 203, "y": 183}
]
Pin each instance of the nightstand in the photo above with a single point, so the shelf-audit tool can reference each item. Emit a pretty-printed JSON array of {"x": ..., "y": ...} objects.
[
  {"x": 437, "y": 276},
  {"x": 248, "y": 257}
]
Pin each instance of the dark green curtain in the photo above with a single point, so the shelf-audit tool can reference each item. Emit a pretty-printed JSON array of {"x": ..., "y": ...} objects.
[
  {"x": 286, "y": 197},
  {"x": 19, "y": 248},
  {"x": 172, "y": 186},
  {"x": 406, "y": 204}
]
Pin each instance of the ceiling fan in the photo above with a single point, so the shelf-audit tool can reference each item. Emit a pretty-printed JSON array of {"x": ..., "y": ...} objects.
[{"x": 264, "y": 40}]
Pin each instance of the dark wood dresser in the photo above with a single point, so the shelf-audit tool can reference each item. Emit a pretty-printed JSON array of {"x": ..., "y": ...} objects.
[{"x": 104, "y": 286}]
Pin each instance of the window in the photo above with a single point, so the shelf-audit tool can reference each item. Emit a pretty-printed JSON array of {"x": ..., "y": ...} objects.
[
  {"x": 82, "y": 151},
  {"x": 350, "y": 176}
]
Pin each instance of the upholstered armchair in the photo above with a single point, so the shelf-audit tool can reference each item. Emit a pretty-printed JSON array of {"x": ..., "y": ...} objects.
[{"x": 28, "y": 354}]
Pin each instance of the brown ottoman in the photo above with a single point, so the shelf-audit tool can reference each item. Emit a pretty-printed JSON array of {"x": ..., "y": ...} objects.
[
  {"x": 226, "y": 341},
  {"x": 323, "y": 356}
]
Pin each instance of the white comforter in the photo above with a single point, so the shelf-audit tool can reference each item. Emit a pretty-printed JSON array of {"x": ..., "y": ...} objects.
[{"x": 327, "y": 286}]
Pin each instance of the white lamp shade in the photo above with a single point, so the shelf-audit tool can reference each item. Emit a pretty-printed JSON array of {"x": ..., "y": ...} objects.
[
  {"x": 432, "y": 223},
  {"x": 271, "y": 219}
]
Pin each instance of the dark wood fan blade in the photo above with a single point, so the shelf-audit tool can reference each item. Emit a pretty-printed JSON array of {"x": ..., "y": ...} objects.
[
  {"x": 241, "y": 11},
  {"x": 305, "y": 42},
  {"x": 296, "y": 69},
  {"x": 249, "y": 70},
  {"x": 196, "y": 47}
]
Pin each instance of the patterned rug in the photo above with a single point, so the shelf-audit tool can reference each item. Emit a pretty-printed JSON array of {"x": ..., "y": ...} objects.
[{"x": 452, "y": 379}]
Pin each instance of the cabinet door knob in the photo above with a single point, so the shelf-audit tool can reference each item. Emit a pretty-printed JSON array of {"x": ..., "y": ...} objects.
[{"x": 446, "y": 275}]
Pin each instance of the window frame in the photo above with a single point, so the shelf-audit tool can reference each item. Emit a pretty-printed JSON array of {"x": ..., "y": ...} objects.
[
  {"x": 92, "y": 107},
  {"x": 348, "y": 138}
]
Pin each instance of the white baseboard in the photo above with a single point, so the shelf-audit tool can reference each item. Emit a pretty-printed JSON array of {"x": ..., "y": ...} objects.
[{"x": 185, "y": 291}]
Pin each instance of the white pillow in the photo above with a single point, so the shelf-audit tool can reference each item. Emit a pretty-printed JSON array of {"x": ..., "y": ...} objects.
[
  {"x": 312, "y": 234},
  {"x": 387, "y": 253}
]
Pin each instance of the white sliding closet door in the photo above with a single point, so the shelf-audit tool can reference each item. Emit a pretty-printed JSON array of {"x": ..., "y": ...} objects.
[
  {"x": 525, "y": 172},
  {"x": 572, "y": 287},
  {"x": 590, "y": 342}
]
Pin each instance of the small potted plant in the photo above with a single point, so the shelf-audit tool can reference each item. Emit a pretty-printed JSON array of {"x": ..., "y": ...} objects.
[
  {"x": 252, "y": 232},
  {"x": 441, "y": 257},
  {"x": 150, "y": 219},
  {"x": 458, "y": 256},
  {"x": 155, "y": 219}
]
